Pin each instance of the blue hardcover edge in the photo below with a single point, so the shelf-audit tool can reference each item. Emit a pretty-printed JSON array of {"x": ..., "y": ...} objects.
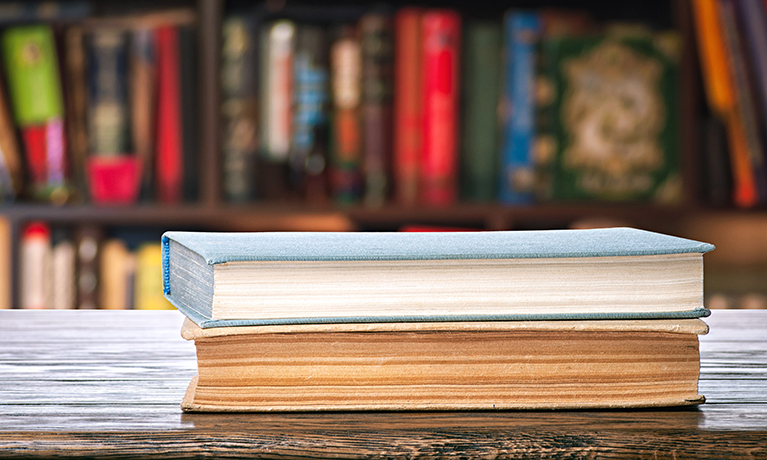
[{"x": 165, "y": 243}]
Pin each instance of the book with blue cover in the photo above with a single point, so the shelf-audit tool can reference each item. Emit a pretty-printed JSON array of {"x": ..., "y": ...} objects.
[{"x": 246, "y": 279}]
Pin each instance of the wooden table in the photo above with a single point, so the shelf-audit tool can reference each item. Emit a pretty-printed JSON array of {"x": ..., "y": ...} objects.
[{"x": 108, "y": 384}]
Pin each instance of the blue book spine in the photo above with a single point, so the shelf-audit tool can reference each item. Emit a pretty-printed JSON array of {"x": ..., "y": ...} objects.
[{"x": 521, "y": 34}]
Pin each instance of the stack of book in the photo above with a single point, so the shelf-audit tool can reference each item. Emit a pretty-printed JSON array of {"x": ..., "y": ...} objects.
[{"x": 467, "y": 320}]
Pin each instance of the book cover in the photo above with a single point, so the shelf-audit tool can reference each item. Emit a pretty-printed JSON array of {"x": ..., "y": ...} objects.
[
  {"x": 522, "y": 32},
  {"x": 345, "y": 122},
  {"x": 240, "y": 106},
  {"x": 481, "y": 93},
  {"x": 439, "y": 162},
  {"x": 377, "y": 64},
  {"x": 431, "y": 276},
  {"x": 169, "y": 165},
  {"x": 309, "y": 151},
  {"x": 408, "y": 105},
  {"x": 615, "y": 123},
  {"x": 554, "y": 23}
]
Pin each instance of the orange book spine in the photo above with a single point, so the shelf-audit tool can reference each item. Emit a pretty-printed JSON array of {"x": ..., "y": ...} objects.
[{"x": 408, "y": 113}]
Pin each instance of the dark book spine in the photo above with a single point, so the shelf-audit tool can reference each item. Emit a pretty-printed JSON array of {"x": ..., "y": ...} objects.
[
  {"x": 482, "y": 74},
  {"x": 187, "y": 49},
  {"x": 108, "y": 117},
  {"x": 76, "y": 106},
  {"x": 88, "y": 243},
  {"x": 308, "y": 156},
  {"x": 239, "y": 107},
  {"x": 377, "y": 74}
]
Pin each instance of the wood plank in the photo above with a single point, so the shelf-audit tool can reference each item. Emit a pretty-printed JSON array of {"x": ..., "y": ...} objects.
[{"x": 110, "y": 383}]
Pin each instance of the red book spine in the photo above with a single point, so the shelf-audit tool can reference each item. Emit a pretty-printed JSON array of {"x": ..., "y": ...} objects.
[
  {"x": 408, "y": 113},
  {"x": 441, "y": 42},
  {"x": 169, "y": 165}
]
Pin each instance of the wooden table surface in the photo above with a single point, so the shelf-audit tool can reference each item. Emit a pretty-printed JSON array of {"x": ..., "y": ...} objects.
[{"x": 109, "y": 384}]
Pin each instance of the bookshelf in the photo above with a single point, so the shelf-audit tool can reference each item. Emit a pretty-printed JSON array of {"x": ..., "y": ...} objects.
[{"x": 211, "y": 211}]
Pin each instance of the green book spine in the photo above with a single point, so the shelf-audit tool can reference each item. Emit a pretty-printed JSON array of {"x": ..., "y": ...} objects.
[
  {"x": 615, "y": 119},
  {"x": 482, "y": 77},
  {"x": 32, "y": 72}
]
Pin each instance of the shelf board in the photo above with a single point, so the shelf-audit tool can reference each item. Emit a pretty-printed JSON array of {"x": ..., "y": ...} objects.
[{"x": 300, "y": 216}]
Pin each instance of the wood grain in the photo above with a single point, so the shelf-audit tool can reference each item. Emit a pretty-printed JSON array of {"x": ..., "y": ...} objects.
[{"x": 109, "y": 384}]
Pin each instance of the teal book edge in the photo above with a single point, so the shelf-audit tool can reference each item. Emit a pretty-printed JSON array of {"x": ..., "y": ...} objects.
[{"x": 218, "y": 248}]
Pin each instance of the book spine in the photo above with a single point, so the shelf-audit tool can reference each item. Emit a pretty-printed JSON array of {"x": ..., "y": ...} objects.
[
  {"x": 308, "y": 157},
  {"x": 148, "y": 282},
  {"x": 187, "y": 51},
  {"x": 276, "y": 77},
  {"x": 35, "y": 91},
  {"x": 108, "y": 119},
  {"x": 63, "y": 269},
  {"x": 279, "y": 90},
  {"x": 34, "y": 261},
  {"x": 114, "y": 275},
  {"x": 744, "y": 97},
  {"x": 345, "y": 124},
  {"x": 522, "y": 32},
  {"x": 719, "y": 87},
  {"x": 377, "y": 64},
  {"x": 441, "y": 43},
  {"x": 11, "y": 170},
  {"x": 88, "y": 246},
  {"x": 143, "y": 75},
  {"x": 169, "y": 167},
  {"x": 408, "y": 109},
  {"x": 76, "y": 102},
  {"x": 482, "y": 75},
  {"x": 239, "y": 107}
]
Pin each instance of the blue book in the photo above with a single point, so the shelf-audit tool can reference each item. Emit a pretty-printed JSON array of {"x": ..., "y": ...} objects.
[
  {"x": 237, "y": 279},
  {"x": 521, "y": 35}
]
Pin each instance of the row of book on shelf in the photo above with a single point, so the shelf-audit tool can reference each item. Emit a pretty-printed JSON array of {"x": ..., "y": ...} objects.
[
  {"x": 85, "y": 267},
  {"x": 425, "y": 106},
  {"x": 97, "y": 108},
  {"x": 732, "y": 45}
]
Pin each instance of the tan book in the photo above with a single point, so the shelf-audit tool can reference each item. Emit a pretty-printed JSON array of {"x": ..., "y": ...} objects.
[{"x": 446, "y": 365}]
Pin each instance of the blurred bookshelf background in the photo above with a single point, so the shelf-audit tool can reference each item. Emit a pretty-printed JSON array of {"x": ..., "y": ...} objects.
[{"x": 118, "y": 122}]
